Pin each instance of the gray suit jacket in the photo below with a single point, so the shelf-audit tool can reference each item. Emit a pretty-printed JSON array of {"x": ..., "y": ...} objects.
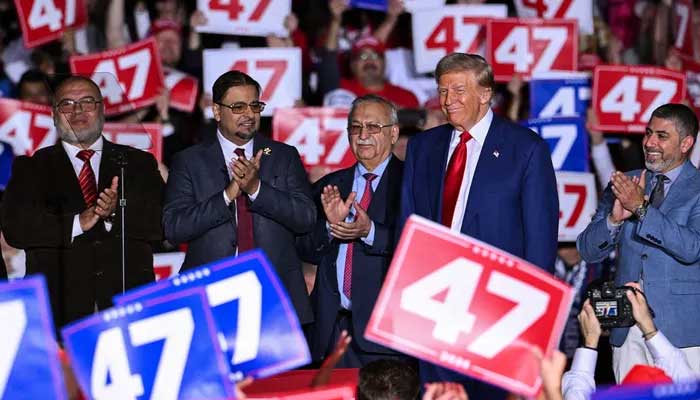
[
  {"x": 664, "y": 248},
  {"x": 195, "y": 211}
]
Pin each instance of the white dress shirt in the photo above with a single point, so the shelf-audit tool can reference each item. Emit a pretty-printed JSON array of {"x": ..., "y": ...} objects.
[
  {"x": 72, "y": 152},
  {"x": 474, "y": 146}
]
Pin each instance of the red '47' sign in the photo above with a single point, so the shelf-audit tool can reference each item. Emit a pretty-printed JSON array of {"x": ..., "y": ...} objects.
[
  {"x": 685, "y": 21},
  {"x": 577, "y": 203},
  {"x": 130, "y": 77},
  {"x": 27, "y": 127},
  {"x": 147, "y": 137},
  {"x": 624, "y": 97},
  {"x": 528, "y": 46},
  {"x": 319, "y": 134},
  {"x": 45, "y": 20},
  {"x": 459, "y": 303}
]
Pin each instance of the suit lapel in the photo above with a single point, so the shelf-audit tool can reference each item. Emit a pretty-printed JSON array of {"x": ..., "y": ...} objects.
[
  {"x": 378, "y": 207},
  {"x": 436, "y": 175},
  {"x": 66, "y": 179},
  {"x": 493, "y": 144},
  {"x": 108, "y": 165},
  {"x": 686, "y": 184}
]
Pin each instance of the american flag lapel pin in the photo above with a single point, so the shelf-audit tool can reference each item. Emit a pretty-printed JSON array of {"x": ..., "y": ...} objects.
[{"x": 496, "y": 153}]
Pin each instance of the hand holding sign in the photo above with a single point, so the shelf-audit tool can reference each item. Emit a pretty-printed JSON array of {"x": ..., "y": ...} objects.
[{"x": 459, "y": 303}]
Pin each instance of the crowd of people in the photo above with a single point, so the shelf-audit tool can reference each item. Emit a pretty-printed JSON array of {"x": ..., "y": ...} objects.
[{"x": 459, "y": 158}]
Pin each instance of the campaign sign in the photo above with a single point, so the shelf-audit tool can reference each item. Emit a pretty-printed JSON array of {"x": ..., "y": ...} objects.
[
  {"x": 530, "y": 46},
  {"x": 578, "y": 200},
  {"x": 624, "y": 97},
  {"x": 278, "y": 70},
  {"x": 318, "y": 133},
  {"x": 459, "y": 303},
  {"x": 26, "y": 126},
  {"x": 568, "y": 141},
  {"x": 159, "y": 348},
  {"x": 183, "y": 89},
  {"x": 6, "y": 157},
  {"x": 166, "y": 265},
  {"x": 417, "y": 5},
  {"x": 147, "y": 136},
  {"x": 29, "y": 364},
  {"x": 580, "y": 10},
  {"x": 451, "y": 28},
  {"x": 377, "y": 5},
  {"x": 685, "y": 21},
  {"x": 256, "y": 321},
  {"x": 129, "y": 78},
  {"x": 329, "y": 392},
  {"x": 692, "y": 76},
  {"x": 45, "y": 20},
  {"x": 566, "y": 97},
  {"x": 666, "y": 391},
  {"x": 244, "y": 17}
]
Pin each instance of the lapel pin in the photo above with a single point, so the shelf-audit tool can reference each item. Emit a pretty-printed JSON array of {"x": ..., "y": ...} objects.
[
  {"x": 267, "y": 151},
  {"x": 496, "y": 153}
]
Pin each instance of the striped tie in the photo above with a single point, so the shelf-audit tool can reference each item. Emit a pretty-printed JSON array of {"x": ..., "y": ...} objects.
[{"x": 87, "y": 178}]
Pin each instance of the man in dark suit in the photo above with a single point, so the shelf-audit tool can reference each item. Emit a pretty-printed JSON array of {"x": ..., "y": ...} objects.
[
  {"x": 353, "y": 240},
  {"x": 240, "y": 191},
  {"x": 60, "y": 206},
  {"x": 483, "y": 176}
]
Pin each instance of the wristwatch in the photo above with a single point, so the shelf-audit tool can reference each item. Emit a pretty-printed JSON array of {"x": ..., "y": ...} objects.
[{"x": 641, "y": 211}]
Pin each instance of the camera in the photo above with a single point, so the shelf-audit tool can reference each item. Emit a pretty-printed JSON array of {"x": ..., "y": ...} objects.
[{"x": 611, "y": 305}]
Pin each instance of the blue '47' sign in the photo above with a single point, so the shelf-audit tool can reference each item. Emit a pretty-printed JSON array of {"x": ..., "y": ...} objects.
[
  {"x": 559, "y": 97},
  {"x": 163, "y": 348},
  {"x": 568, "y": 141},
  {"x": 29, "y": 365},
  {"x": 254, "y": 317}
]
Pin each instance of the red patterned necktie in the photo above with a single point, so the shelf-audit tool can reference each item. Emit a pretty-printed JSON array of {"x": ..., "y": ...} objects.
[
  {"x": 453, "y": 179},
  {"x": 364, "y": 203},
  {"x": 87, "y": 178},
  {"x": 244, "y": 223}
]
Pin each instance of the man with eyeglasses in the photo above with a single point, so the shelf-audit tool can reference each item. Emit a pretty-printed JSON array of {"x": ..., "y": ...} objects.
[
  {"x": 241, "y": 191},
  {"x": 60, "y": 206},
  {"x": 353, "y": 240},
  {"x": 367, "y": 65}
]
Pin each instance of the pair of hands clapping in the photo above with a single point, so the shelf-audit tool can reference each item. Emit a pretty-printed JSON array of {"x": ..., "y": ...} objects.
[
  {"x": 629, "y": 195},
  {"x": 337, "y": 210},
  {"x": 246, "y": 176}
]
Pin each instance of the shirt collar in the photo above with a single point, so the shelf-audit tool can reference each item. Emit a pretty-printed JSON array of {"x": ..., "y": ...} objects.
[
  {"x": 228, "y": 147},
  {"x": 72, "y": 150},
  {"x": 672, "y": 175},
  {"x": 479, "y": 130},
  {"x": 379, "y": 171}
]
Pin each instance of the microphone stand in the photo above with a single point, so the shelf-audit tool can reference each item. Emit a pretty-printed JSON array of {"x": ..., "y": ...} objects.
[{"x": 122, "y": 163}]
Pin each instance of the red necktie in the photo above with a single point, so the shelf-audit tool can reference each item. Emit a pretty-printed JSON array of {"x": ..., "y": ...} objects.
[
  {"x": 453, "y": 179},
  {"x": 364, "y": 203},
  {"x": 87, "y": 178},
  {"x": 244, "y": 221}
]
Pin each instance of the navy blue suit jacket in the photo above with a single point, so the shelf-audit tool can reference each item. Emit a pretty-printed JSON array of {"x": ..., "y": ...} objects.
[
  {"x": 195, "y": 211},
  {"x": 370, "y": 263},
  {"x": 512, "y": 204}
]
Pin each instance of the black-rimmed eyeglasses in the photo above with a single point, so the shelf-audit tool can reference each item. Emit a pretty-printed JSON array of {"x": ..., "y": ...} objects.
[{"x": 87, "y": 104}]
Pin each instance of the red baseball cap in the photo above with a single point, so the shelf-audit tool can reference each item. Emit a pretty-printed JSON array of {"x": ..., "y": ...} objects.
[
  {"x": 640, "y": 374},
  {"x": 368, "y": 42},
  {"x": 164, "y": 24}
]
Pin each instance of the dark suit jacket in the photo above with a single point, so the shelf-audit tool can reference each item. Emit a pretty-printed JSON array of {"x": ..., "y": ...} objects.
[
  {"x": 512, "y": 203},
  {"x": 40, "y": 202},
  {"x": 3, "y": 269},
  {"x": 195, "y": 211},
  {"x": 370, "y": 263}
]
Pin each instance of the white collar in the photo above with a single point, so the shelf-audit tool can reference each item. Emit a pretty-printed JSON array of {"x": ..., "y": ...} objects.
[
  {"x": 72, "y": 150},
  {"x": 479, "y": 130}
]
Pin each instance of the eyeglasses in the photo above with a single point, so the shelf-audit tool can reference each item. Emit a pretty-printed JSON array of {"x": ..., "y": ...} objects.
[
  {"x": 240, "y": 107},
  {"x": 87, "y": 104},
  {"x": 372, "y": 129}
]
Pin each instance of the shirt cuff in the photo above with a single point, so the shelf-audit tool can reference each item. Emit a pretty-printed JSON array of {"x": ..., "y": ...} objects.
[
  {"x": 369, "y": 240},
  {"x": 584, "y": 360},
  {"x": 613, "y": 229},
  {"x": 108, "y": 226},
  {"x": 254, "y": 196},
  {"x": 77, "y": 230},
  {"x": 226, "y": 199},
  {"x": 659, "y": 345}
]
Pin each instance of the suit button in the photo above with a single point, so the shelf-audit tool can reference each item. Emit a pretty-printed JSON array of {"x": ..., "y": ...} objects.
[{"x": 644, "y": 256}]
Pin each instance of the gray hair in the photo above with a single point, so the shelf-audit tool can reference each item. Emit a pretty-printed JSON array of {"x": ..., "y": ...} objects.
[
  {"x": 457, "y": 62},
  {"x": 373, "y": 98}
]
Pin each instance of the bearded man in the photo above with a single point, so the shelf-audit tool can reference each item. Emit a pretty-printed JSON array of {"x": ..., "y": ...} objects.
[{"x": 60, "y": 206}]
